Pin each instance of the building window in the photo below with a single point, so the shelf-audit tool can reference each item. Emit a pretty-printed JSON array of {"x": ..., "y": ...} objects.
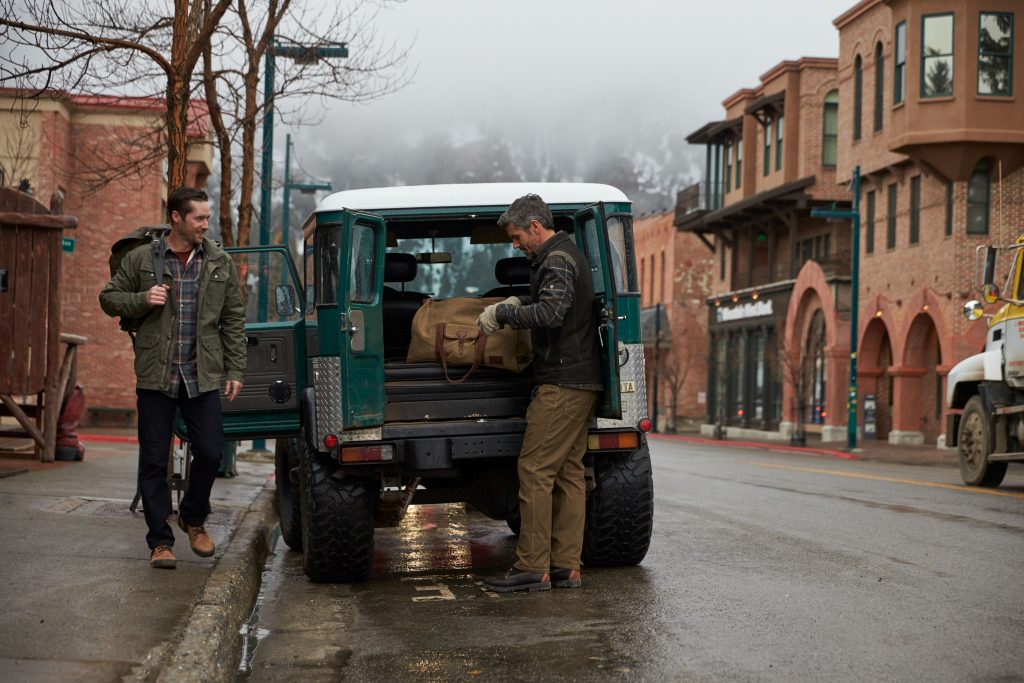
[
  {"x": 869, "y": 224},
  {"x": 767, "y": 144},
  {"x": 915, "y": 209},
  {"x": 995, "y": 54},
  {"x": 760, "y": 375},
  {"x": 890, "y": 230},
  {"x": 778, "y": 143},
  {"x": 662, "y": 279},
  {"x": 739, "y": 360},
  {"x": 650, "y": 299},
  {"x": 949, "y": 208},
  {"x": 728, "y": 166},
  {"x": 879, "y": 85},
  {"x": 937, "y": 55},
  {"x": 858, "y": 95},
  {"x": 899, "y": 73},
  {"x": 830, "y": 129},
  {"x": 977, "y": 199},
  {"x": 643, "y": 294},
  {"x": 721, "y": 259},
  {"x": 739, "y": 162}
]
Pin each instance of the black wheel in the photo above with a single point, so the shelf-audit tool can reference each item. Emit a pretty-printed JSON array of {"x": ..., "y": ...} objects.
[
  {"x": 287, "y": 500},
  {"x": 514, "y": 524},
  {"x": 974, "y": 444},
  {"x": 337, "y": 520},
  {"x": 620, "y": 511}
]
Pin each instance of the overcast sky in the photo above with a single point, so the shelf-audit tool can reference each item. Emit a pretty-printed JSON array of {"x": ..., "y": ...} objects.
[{"x": 574, "y": 70}]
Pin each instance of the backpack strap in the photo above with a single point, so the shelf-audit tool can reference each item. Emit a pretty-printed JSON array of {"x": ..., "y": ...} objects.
[{"x": 158, "y": 258}]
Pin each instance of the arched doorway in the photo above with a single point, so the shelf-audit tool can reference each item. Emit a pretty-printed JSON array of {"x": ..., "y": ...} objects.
[
  {"x": 923, "y": 355},
  {"x": 814, "y": 373},
  {"x": 873, "y": 374}
]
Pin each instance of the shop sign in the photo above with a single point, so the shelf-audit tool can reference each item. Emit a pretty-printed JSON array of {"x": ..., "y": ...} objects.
[{"x": 753, "y": 309}]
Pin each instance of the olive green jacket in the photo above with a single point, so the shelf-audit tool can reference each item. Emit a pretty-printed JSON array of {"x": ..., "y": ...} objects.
[{"x": 220, "y": 319}]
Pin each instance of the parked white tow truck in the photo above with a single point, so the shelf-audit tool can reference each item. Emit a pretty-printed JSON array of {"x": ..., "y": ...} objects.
[{"x": 989, "y": 386}]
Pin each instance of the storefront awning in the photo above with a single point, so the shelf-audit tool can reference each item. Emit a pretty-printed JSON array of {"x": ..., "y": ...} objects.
[{"x": 789, "y": 196}]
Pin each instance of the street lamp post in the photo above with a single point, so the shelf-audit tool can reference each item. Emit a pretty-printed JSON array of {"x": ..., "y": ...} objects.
[
  {"x": 303, "y": 55},
  {"x": 853, "y": 214},
  {"x": 304, "y": 188}
]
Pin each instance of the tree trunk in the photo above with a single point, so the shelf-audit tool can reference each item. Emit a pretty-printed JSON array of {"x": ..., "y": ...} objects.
[
  {"x": 248, "y": 155},
  {"x": 177, "y": 132}
]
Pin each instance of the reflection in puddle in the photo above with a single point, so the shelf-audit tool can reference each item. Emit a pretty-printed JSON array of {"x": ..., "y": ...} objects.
[{"x": 431, "y": 537}]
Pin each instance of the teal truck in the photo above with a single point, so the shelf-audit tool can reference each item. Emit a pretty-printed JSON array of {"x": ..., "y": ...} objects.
[{"x": 361, "y": 434}]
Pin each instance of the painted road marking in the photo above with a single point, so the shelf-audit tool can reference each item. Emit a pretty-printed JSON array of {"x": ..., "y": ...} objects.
[
  {"x": 894, "y": 480},
  {"x": 443, "y": 593}
]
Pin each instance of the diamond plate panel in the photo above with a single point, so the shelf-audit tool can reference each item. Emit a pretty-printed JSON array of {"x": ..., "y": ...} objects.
[
  {"x": 327, "y": 389},
  {"x": 632, "y": 375}
]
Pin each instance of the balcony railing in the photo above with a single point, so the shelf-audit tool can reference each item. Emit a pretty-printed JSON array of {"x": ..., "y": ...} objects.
[{"x": 702, "y": 196}]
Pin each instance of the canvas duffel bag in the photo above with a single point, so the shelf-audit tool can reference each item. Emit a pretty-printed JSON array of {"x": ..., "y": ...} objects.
[{"x": 445, "y": 331}]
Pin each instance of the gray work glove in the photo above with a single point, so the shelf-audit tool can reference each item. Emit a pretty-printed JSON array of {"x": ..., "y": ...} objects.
[{"x": 488, "y": 320}]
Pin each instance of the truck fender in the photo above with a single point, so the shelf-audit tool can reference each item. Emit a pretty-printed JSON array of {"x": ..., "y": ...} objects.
[{"x": 987, "y": 366}]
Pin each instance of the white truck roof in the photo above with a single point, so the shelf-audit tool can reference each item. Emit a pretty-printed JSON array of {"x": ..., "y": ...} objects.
[{"x": 468, "y": 194}]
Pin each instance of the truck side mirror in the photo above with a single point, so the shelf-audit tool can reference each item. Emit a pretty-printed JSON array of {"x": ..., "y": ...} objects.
[
  {"x": 973, "y": 310},
  {"x": 286, "y": 301},
  {"x": 989, "y": 274},
  {"x": 990, "y": 293}
]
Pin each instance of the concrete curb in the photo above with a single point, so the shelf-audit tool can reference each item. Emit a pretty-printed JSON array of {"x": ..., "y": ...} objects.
[{"x": 208, "y": 645}]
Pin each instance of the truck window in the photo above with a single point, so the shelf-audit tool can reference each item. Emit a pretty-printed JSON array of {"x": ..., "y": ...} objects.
[
  {"x": 470, "y": 273},
  {"x": 621, "y": 243},
  {"x": 363, "y": 242},
  {"x": 328, "y": 241}
]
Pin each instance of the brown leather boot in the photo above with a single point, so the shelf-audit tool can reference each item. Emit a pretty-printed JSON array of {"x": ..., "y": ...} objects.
[
  {"x": 202, "y": 544},
  {"x": 162, "y": 557}
]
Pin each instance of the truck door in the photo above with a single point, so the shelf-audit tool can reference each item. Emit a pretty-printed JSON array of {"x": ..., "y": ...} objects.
[
  {"x": 592, "y": 239},
  {"x": 350, "y": 278},
  {"x": 275, "y": 345}
]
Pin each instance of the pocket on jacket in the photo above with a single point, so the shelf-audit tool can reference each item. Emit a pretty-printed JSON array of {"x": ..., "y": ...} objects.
[
  {"x": 215, "y": 288},
  {"x": 212, "y": 359}
]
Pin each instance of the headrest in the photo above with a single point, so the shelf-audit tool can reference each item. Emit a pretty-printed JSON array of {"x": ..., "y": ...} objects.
[
  {"x": 512, "y": 271},
  {"x": 399, "y": 267}
]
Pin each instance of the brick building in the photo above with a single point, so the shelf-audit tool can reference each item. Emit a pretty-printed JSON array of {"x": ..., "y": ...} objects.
[
  {"x": 931, "y": 113},
  {"x": 924, "y": 100},
  {"x": 66, "y": 146},
  {"x": 675, "y": 273},
  {"x": 778, "y": 308}
]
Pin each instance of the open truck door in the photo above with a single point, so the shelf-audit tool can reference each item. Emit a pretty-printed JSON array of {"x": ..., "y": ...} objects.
[
  {"x": 268, "y": 405},
  {"x": 349, "y": 319},
  {"x": 592, "y": 238}
]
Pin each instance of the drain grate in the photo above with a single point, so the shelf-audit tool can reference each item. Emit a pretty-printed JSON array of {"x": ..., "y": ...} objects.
[{"x": 218, "y": 516}]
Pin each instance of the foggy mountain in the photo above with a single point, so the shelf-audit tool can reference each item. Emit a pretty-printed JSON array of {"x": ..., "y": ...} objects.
[{"x": 649, "y": 169}]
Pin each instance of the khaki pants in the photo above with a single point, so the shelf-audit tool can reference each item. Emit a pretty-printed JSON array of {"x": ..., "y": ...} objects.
[{"x": 552, "y": 491}]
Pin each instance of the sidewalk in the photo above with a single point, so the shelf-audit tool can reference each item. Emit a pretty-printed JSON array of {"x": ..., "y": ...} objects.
[
  {"x": 867, "y": 449},
  {"x": 80, "y": 599}
]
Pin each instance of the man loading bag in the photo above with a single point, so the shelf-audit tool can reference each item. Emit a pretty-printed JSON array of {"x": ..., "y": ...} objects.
[{"x": 566, "y": 366}]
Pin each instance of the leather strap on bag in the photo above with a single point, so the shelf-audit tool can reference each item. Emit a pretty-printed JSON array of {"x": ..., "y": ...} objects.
[{"x": 478, "y": 357}]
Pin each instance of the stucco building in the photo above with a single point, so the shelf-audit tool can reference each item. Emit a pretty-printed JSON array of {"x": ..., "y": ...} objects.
[{"x": 98, "y": 156}]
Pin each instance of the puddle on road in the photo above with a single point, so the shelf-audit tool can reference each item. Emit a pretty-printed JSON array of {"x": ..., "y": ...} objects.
[{"x": 251, "y": 632}]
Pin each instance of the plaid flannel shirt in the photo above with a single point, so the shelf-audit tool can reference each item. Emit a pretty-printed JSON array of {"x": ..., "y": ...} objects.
[{"x": 186, "y": 295}]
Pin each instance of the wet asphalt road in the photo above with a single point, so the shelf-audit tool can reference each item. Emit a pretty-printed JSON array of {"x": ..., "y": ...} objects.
[{"x": 763, "y": 566}]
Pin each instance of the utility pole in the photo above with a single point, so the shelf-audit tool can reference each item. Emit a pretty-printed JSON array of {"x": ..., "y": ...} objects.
[
  {"x": 304, "y": 188},
  {"x": 657, "y": 356},
  {"x": 854, "y": 215}
]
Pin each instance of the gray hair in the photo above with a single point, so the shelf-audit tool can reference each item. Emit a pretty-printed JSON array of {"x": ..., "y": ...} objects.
[{"x": 529, "y": 207}]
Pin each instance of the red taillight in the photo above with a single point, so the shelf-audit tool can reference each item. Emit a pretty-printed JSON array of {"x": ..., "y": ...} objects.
[
  {"x": 330, "y": 441},
  {"x": 367, "y": 453},
  {"x": 613, "y": 441},
  {"x": 645, "y": 425}
]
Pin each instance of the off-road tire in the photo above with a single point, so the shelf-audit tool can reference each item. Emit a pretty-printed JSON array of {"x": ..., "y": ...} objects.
[
  {"x": 974, "y": 444},
  {"x": 620, "y": 510},
  {"x": 337, "y": 521},
  {"x": 287, "y": 500}
]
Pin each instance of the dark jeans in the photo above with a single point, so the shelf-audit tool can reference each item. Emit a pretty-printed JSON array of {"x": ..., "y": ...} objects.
[{"x": 205, "y": 425}]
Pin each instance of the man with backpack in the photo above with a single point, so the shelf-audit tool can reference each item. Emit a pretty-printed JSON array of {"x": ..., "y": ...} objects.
[{"x": 190, "y": 342}]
